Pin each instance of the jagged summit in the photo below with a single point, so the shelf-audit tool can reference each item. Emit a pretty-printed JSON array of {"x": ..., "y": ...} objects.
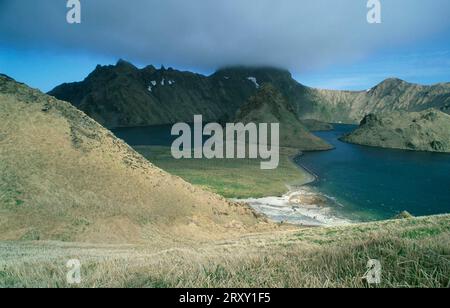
[
  {"x": 122, "y": 62},
  {"x": 124, "y": 95}
]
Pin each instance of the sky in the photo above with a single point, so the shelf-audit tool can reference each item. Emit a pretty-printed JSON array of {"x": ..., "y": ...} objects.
[{"x": 324, "y": 43}]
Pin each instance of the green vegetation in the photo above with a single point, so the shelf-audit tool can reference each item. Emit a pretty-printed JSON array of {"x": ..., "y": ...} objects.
[
  {"x": 231, "y": 178},
  {"x": 314, "y": 257}
]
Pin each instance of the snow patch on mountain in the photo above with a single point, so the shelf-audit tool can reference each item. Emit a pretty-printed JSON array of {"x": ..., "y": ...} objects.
[{"x": 255, "y": 81}]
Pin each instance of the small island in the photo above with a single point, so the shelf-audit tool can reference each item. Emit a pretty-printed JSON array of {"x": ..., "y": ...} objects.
[{"x": 428, "y": 130}]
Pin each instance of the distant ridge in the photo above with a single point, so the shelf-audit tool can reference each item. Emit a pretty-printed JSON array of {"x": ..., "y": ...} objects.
[
  {"x": 392, "y": 94},
  {"x": 122, "y": 95}
]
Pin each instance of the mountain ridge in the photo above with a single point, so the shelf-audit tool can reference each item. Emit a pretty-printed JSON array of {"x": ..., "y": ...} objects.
[
  {"x": 392, "y": 94},
  {"x": 123, "y": 95}
]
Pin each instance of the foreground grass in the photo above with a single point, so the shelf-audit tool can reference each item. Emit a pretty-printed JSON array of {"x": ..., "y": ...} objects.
[
  {"x": 231, "y": 178},
  {"x": 413, "y": 253}
]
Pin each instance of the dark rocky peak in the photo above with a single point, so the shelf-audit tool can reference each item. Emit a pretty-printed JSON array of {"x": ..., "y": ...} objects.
[
  {"x": 169, "y": 77},
  {"x": 267, "y": 95},
  {"x": 149, "y": 68},
  {"x": 125, "y": 64},
  {"x": 393, "y": 80},
  {"x": 108, "y": 72},
  {"x": 392, "y": 83},
  {"x": 389, "y": 86}
]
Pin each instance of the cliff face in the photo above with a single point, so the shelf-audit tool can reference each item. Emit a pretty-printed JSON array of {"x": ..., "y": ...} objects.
[
  {"x": 428, "y": 130},
  {"x": 123, "y": 95}
]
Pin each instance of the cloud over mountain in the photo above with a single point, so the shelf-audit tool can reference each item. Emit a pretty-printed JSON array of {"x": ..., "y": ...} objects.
[{"x": 295, "y": 34}]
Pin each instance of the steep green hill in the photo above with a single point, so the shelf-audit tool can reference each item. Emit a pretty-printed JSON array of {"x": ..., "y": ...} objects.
[{"x": 269, "y": 106}]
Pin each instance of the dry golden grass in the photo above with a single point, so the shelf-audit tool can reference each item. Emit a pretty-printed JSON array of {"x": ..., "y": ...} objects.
[
  {"x": 413, "y": 253},
  {"x": 64, "y": 177}
]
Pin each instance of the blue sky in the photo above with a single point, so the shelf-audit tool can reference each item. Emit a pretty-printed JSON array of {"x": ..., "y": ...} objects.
[
  {"x": 325, "y": 44},
  {"x": 420, "y": 65}
]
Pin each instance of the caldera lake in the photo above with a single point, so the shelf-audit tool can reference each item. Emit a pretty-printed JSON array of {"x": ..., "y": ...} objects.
[{"x": 361, "y": 183}]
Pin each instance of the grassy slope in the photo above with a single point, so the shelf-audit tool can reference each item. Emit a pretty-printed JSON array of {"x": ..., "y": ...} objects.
[
  {"x": 413, "y": 253},
  {"x": 232, "y": 178},
  {"x": 64, "y": 177}
]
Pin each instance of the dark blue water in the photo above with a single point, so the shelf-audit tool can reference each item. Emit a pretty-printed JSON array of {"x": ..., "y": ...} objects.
[
  {"x": 369, "y": 183},
  {"x": 147, "y": 135},
  {"x": 373, "y": 183}
]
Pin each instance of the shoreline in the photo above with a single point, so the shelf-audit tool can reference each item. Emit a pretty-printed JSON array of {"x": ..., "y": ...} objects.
[
  {"x": 313, "y": 175},
  {"x": 300, "y": 205}
]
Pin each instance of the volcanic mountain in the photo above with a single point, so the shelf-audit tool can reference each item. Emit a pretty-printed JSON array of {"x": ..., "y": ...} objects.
[{"x": 124, "y": 95}]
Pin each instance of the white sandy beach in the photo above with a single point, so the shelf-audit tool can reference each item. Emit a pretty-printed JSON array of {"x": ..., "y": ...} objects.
[{"x": 302, "y": 206}]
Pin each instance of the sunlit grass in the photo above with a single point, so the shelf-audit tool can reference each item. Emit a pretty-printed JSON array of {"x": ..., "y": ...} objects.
[
  {"x": 314, "y": 257},
  {"x": 231, "y": 178}
]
